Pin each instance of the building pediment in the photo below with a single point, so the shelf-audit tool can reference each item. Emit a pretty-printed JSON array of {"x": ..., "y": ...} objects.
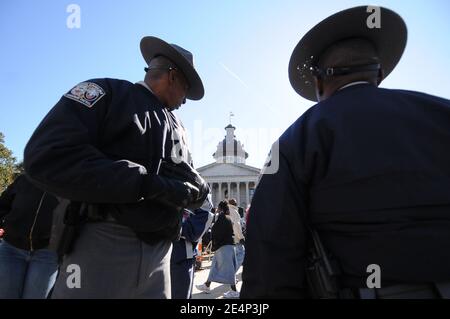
[{"x": 228, "y": 169}]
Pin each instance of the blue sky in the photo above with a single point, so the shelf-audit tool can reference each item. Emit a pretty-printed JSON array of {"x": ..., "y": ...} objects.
[{"x": 241, "y": 50}]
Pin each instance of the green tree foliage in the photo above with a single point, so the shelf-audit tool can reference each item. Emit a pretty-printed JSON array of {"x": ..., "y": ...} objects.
[
  {"x": 19, "y": 168},
  {"x": 8, "y": 166}
]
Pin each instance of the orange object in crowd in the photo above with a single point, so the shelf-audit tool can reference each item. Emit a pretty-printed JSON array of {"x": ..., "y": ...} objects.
[{"x": 199, "y": 250}]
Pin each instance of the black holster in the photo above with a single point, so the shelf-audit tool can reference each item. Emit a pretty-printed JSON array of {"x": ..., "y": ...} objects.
[
  {"x": 322, "y": 273},
  {"x": 66, "y": 227}
]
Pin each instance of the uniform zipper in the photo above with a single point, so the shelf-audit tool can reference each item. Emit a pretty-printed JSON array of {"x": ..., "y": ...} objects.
[{"x": 34, "y": 222}]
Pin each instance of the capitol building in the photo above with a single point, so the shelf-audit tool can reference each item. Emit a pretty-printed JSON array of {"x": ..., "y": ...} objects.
[{"x": 229, "y": 176}]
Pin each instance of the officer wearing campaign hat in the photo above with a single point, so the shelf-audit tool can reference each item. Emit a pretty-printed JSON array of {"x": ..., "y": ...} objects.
[
  {"x": 104, "y": 147},
  {"x": 360, "y": 180}
]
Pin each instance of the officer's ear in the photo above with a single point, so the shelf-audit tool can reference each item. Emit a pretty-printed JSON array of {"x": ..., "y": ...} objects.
[
  {"x": 318, "y": 84},
  {"x": 380, "y": 76},
  {"x": 172, "y": 77}
]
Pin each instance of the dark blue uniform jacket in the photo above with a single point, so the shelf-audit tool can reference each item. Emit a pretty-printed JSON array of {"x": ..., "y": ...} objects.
[
  {"x": 193, "y": 227},
  {"x": 100, "y": 143},
  {"x": 370, "y": 169}
]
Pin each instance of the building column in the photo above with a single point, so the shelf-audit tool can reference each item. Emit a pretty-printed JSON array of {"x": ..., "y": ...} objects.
[
  {"x": 247, "y": 193},
  {"x": 220, "y": 193},
  {"x": 238, "y": 199},
  {"x": 229, "y": 190},
  {"x": 213, "y": 193}
]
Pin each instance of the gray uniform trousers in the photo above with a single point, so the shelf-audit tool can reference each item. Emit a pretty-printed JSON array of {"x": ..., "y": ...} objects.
[{"x": 111, "y": 262}]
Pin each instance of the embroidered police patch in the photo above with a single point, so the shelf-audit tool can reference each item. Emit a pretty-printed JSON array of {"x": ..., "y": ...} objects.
[{"x": 87, "y": 93}]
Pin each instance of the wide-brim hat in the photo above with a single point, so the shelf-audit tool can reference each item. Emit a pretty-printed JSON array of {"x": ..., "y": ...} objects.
[
  {"x": 152, "y": 47},
  {"x": 389, "y": 39}
]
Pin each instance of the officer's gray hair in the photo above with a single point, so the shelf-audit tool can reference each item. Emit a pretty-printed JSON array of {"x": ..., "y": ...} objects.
[{"x": 159, "y": 66}]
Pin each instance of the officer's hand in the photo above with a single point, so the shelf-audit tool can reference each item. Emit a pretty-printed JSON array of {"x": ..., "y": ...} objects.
[
  {"x": 193, "y": 193},
  {"x": 201, "y": 196},
  {"x": 185, "y": 173},
  {"x": 172, "y": 192}
]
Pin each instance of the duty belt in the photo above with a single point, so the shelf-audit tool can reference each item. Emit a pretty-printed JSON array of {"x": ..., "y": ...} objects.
[
  {"x": 440, "y": 290},
  {"x": 97, "y": 213}
]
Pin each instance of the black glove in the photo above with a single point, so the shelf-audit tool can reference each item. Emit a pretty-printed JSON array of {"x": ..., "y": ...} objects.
[
  {"x": 185, "y": 173},
  {"x": 171, "y": 192}
]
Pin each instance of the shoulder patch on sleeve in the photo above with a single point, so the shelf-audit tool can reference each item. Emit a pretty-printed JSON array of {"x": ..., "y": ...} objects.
[{"x": 87, "y": 93}]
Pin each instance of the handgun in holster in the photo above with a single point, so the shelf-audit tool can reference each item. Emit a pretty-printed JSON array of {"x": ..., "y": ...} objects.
[
  {"x": 322, "y": 273},
  {"x": 68, "y": 228}
]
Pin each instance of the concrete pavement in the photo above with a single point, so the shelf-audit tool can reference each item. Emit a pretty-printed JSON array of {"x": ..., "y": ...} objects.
[{"x": 217, "y": 290}]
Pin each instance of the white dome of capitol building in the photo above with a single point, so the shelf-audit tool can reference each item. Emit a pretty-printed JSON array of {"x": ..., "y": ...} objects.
[
  {"x": 229, "y": 176},
  {"x": 230, "y": 150}
]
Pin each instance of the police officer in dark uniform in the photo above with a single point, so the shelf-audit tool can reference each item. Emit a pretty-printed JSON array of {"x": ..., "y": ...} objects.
[
  {"x": 104, "y": 144},
  {"x": 366, "y": 169}
]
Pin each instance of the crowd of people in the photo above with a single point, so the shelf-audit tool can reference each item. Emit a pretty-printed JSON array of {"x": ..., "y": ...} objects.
[{"x": 228, "y": 246}]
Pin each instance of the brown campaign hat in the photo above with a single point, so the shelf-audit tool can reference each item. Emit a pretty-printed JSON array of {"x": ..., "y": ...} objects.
[
  {"x": 389, "y": 39},
  {"x": 183, "y": 59}
]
